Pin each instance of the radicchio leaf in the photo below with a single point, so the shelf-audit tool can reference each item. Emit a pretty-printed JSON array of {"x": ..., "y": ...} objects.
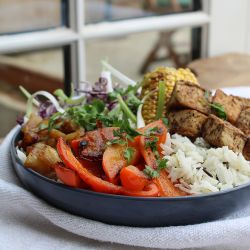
[
  {"x": 20, "y": 120},
  {"x": 46, "y": 109}
]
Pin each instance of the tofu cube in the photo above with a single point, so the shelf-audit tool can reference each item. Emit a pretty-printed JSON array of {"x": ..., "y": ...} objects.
[
  {"x": 245, "y": 102},
  {"x": 243, "y": 122},
  {"x": 191, "y": 96},
  {"x": 246, "y": 150},
  {"x": 232, "y": 105},
  {"x": 186, "y": 122},
  {"x": 221, "y": 133}
]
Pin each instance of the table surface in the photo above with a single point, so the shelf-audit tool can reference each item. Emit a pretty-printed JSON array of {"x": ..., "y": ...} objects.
[{"x": 229, "y": 70}]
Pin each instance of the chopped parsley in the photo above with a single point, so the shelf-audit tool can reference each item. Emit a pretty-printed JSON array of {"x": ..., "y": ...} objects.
[
  {"x": 155, "y": 173},
  {"x": 219, "y": 110},
  {"x": 123, "y": 135},
  {"x": 152, "y": 173},
  {"x": 128, "y": 154},
  {"x": 151, "y": 143}
]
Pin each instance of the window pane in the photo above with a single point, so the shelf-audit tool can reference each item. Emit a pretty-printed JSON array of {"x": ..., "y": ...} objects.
[
  {"x": 134, "y": 54},
  {"x": 111, "y": 10},
  {"x": 28, "y": 15},
  {"x": 33, "y": 70}
]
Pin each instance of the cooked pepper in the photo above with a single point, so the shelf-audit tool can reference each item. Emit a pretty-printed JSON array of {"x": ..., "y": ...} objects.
[
  {"x": 150, "y": 190},
  {"x": 133, "y": 179},
  {"x": 68, "y": 176},
  {"x": 96, "y": 183},
  {"x": 114, "y": 160}
]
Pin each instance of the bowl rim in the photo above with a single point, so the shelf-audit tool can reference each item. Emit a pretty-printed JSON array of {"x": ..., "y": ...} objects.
[{"x": 13, "y": 152}]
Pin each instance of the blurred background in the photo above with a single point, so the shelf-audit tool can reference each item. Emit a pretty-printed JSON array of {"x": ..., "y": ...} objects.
[{"x": 48, "y": 44}]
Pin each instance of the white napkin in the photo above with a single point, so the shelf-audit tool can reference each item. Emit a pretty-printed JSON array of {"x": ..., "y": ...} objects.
[{"x": 27, "y": 222}]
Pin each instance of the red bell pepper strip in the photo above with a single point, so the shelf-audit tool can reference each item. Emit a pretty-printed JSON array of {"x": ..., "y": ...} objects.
[
  {"x": 150, "y": 190},
  {"x": 68, "y": 176},
  {"x": 161, "y": 133},
  {"x": 133, "y": 179},
  {"x": 166, "y": 186},
  {"x": 96, "y": 183},
  {"x": 113, "y": 160}
]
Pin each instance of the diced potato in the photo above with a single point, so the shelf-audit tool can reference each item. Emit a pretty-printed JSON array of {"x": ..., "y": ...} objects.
[
  {"x": 77, "y": 134},
  {"x": 32, "y": 123},
  {"x": 55, "y": 133},
  {"x": 42, "y": 158}
]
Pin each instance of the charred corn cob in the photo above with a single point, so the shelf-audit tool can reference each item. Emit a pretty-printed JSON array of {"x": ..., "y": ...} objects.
[{"x": 151, "y": 84}]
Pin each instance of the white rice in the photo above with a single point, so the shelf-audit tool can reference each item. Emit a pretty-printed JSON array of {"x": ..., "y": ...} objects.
[{"x": 198, "y": 168}]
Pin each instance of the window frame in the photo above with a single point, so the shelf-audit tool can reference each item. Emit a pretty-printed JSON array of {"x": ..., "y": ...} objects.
[{"x": 74, "y": 35}]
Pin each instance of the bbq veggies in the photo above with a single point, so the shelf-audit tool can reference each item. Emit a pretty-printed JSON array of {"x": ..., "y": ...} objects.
[{"x": 99, "y": 141}]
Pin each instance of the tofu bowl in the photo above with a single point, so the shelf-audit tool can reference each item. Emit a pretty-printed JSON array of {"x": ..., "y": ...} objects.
[
  {"x": 161, "y": 152},
  {"x": 132, "y": 211}
]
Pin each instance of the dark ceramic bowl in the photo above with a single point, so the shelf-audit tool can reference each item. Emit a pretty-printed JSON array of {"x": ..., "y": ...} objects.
[{"x": 131, "y": 211}]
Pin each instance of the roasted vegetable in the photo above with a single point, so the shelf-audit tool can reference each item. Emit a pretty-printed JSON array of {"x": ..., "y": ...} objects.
[
  {"x": 114, "y": 160},
  {"x": 133, "y": 179},
  {"x": 166, "y": 186},
  {"x": 91, "y": 146},
  {"x": 96, "y": 183},
  {"x": 68, "y": 176},
  {"x": 42, "y": 159},
  {"x": 151, "y": 82}
]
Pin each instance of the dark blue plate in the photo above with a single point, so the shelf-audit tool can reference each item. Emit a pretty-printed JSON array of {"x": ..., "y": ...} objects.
[{"x": 131, "y": 211}]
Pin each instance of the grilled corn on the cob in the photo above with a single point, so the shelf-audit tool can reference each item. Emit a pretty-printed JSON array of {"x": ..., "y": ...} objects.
[{"x": 151, "y": 82}]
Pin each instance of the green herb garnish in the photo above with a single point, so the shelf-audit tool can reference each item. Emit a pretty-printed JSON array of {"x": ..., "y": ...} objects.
[
  {"x": 116, "y": 141},
  {"x": 219, "y": 110},
  {"x": 151, "y": 143},
  {"x": 165, "y": 121},
  {"x": 155, "y": 173},
  {"x": 123, "y": 135},
  {"x": 151, "y": 172},
  {"x": 128, "y": 154}
]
